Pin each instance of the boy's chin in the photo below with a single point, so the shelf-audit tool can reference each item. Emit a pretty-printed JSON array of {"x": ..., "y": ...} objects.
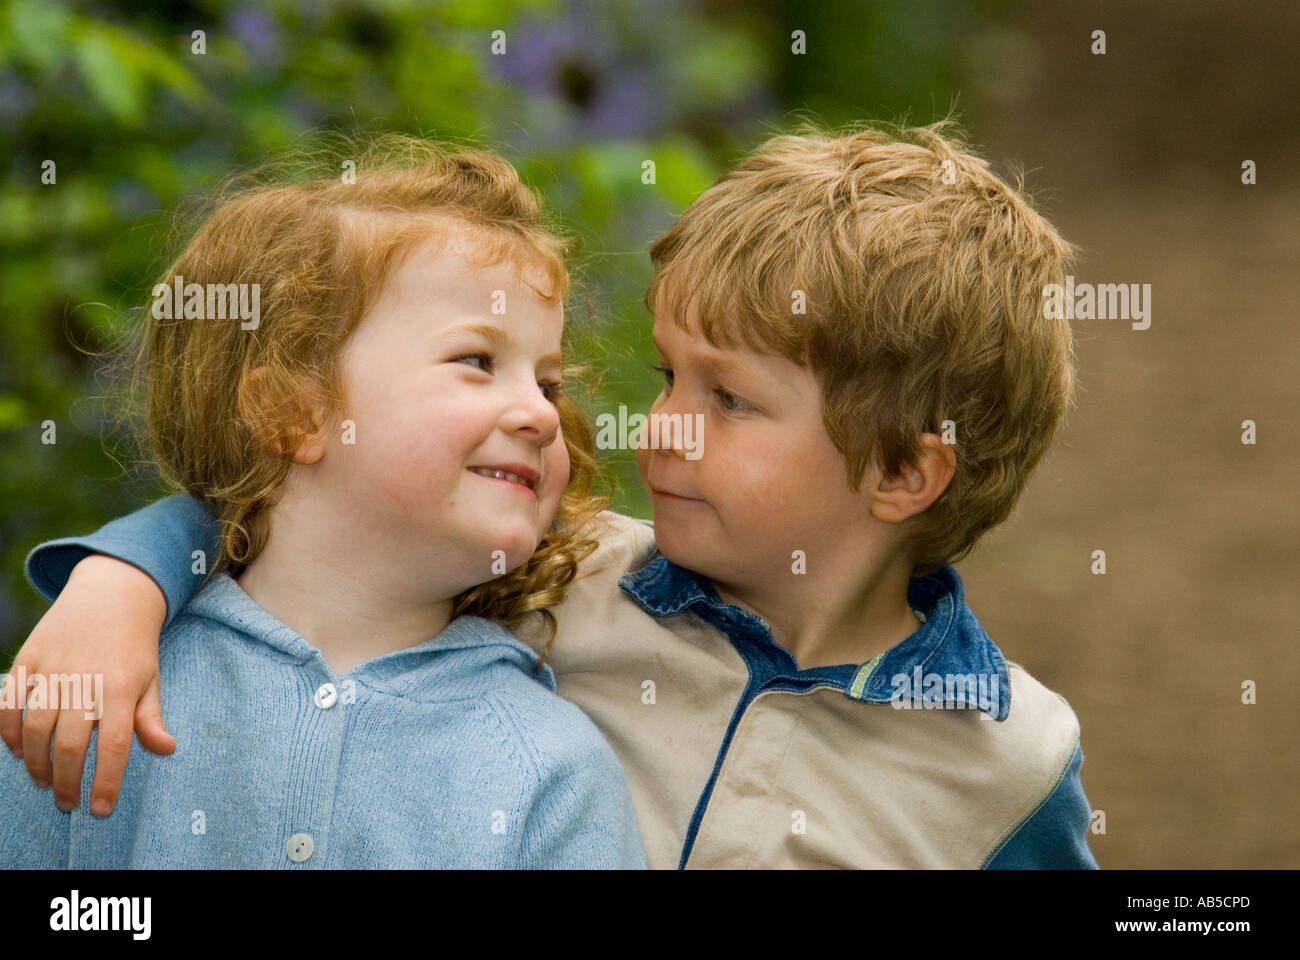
[{"x": 689, "y": 550}]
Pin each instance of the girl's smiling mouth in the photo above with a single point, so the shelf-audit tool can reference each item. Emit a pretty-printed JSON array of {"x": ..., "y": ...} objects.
[{"x": 513, "y": 473}]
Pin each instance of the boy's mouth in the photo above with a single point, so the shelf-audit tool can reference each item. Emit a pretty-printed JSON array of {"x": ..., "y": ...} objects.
[
  {"x": 656, "y": 492},
  {"x": 512, "y": 472}
]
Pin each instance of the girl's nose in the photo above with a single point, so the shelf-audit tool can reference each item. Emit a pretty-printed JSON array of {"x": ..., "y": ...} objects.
[{"x": 534, "y": 414}]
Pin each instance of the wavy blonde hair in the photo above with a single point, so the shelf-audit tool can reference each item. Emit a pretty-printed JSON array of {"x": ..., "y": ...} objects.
[
  {"x": 923, "y": 273},
  {"x": 223, "y": 408}
]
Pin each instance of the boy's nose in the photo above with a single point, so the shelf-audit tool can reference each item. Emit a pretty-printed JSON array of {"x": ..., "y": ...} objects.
[
  {"x": 664, "y": 427},
  {"x": 675, "y": 450}
]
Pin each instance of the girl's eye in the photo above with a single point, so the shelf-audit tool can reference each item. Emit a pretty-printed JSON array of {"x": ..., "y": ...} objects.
[
  {"x": 551, "y": 389},
  {"x": 730, "y": 402},
  {"x": 488, "y": 360},
  {"x": 667, "y": 373}
]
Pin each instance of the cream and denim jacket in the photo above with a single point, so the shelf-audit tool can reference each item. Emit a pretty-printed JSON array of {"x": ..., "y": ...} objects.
[{"x": 937, "y": 753}]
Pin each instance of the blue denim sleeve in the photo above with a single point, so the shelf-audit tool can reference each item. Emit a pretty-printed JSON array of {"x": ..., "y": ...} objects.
[
  {"x": 34, "y": 833},
  {"x": 1055, "y": 837},
  {"x": 160, "y": 539}
]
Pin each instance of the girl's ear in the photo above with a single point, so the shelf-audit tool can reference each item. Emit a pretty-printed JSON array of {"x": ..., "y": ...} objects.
[{"x": 279, "y": 419}]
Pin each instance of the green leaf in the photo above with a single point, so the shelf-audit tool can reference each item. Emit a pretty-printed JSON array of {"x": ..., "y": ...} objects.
[
  {"x": 13, "y": 412},
  {"x": 38, "y": 32},
  {"x": 488, "y": 14},
  {"x": 115, "y": 82},
  {"x": 719, "y": 66},
  {"x": 118, "y": 67},
  {"x": 19, "y": 212},
  {"x": 682, "y": 171},
  {"x": 156, "y": 63}
]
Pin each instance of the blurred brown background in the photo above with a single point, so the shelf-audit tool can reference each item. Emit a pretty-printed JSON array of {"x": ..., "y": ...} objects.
[{"x": 1143, "y": 149}]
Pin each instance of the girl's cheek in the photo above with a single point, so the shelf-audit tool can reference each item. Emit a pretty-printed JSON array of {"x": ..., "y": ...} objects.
[{"x": 557, "y": 467}]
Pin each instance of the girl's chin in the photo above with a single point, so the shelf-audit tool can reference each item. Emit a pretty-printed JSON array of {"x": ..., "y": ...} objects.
[{"x": 510, "y": 548}]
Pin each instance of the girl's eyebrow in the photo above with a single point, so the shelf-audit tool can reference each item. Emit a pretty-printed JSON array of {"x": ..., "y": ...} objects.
[
  {"x": 498, "y": 337},
  {"x": 490, "y": 332}
]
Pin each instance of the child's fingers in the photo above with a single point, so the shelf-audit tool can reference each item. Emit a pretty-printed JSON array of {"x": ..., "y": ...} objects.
[
  {"x": 38, "y": 724},
  {"x": 111, "y": 753},
  {"x": 149, "y": 723},
  {"x": 11, "y": 717},
  {"x": 71, "y": 737}
]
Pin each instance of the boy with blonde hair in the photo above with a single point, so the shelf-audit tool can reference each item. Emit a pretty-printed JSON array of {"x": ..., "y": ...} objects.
[{"x": 785, "y": 663}]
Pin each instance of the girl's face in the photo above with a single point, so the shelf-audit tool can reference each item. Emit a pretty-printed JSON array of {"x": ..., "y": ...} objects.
[{"x": 450, "y": 380}]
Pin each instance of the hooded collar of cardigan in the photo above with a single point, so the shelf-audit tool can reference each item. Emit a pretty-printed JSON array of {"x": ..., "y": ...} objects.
[{"x": 420, "y": 671}]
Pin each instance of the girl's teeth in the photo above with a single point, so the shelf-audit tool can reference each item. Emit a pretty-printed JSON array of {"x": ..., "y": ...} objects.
[{"x": 502, "y": 475}]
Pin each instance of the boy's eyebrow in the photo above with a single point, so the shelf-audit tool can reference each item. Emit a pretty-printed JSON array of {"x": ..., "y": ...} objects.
[
  {"x": 713, "y": 364},
  {"x": 498, "y": 337}
]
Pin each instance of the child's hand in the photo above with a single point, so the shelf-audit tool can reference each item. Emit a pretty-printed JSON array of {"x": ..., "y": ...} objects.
[{"x": 106, "y": 622}]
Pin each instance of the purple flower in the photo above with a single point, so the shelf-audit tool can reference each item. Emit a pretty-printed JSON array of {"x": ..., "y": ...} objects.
[
  {"x": 257, "y": 33},
  {"x": 132, "y": 199},
  {"x": 15, "y": 96},
  {"x": 612, "y": 89}
]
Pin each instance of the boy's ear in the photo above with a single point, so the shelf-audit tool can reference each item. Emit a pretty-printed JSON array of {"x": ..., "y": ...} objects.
[
  {"x": 918, "y": 485},
  {"x": 280, "y": 425}
]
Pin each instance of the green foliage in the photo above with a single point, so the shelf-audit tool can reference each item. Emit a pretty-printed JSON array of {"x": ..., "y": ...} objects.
[{"x": 135, "y": 121}]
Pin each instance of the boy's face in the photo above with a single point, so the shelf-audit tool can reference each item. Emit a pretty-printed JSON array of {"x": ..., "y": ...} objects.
[
  {"x": 442, "y": 389},
  {"x": 768, "y": 480}
]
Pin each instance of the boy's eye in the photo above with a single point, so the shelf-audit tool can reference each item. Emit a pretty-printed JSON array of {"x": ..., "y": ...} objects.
[
  {"x": 730, "y": 402},
  {"x": 488, "y": 360}
]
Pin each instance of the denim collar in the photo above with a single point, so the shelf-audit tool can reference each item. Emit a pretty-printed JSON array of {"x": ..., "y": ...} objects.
[{"x": 949, "y": 661}]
